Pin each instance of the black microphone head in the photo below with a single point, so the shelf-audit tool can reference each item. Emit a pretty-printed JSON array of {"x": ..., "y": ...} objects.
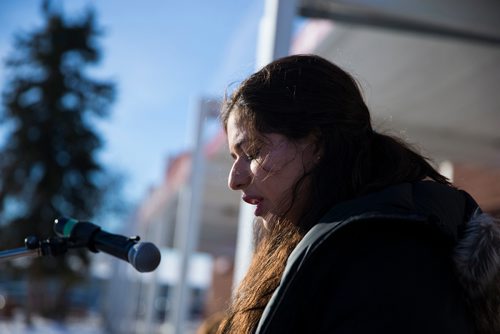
[{"x": 144, "y": 256}]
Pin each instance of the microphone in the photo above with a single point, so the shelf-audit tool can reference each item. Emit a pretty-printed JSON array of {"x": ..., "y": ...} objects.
[{"x": 143, "y": 256}]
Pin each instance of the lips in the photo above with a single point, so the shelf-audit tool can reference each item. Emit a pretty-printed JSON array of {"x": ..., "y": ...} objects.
[{"x": 254, "y": 200}]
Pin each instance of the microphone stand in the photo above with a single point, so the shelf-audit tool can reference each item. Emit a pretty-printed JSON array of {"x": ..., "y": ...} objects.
[{"x": 34, "y": 247}]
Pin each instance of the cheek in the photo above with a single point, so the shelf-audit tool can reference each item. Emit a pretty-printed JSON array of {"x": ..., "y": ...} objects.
[
  {"x": 276, "y": 170},
  {"x": 258, "y": 170},
  {"x": 277, "y": 160},
  {"x": 265, "y": 168},
  {"x": 264, "y": 172}
]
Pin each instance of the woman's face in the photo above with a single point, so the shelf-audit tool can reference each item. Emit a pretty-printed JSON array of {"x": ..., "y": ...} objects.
[{"x": 266, "y": 174}]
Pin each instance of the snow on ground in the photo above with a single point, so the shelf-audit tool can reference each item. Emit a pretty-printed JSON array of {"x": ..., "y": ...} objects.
[{"x": 40, "y": 325}]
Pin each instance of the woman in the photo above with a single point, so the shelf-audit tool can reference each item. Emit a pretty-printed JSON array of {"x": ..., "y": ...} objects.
[{"x": 359, "y": 233}]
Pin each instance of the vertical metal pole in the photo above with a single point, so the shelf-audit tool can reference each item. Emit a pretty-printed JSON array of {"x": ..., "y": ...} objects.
[
  {"x": 188, "y": 219},
  {"x": 187, "y": 225},
  {"x": 157, "y": 235},
  {"x": 275, "y": 33}
]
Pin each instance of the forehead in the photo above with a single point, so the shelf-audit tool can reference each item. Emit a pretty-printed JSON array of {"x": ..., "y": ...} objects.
[
  {"x": 240, "y": 138},
  {"x": 236, "y": 133}
]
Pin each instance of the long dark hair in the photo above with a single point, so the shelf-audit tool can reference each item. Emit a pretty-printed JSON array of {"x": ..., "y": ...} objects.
[{"x": 297, "y": 96}]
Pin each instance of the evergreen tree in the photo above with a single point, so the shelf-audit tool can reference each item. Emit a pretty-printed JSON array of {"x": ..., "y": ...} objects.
[{"x": 48, "y": 164}]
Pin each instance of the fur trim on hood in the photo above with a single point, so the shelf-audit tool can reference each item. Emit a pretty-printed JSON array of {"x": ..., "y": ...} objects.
[{"x": 477, "y": 259}]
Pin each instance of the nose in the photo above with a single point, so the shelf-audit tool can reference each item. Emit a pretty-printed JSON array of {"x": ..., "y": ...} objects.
[{"x": 239, "y": 176}]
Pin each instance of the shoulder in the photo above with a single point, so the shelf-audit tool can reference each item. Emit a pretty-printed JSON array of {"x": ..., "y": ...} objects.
[
  {"x": 387, "y": 274},
  {"x": 395, "y": 246}
]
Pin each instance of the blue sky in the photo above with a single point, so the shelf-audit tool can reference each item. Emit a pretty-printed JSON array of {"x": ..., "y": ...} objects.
[{"x": 161, "y": 55}]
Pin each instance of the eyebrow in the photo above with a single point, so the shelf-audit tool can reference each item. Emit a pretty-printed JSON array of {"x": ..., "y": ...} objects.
[
  {"x": 238, "y": 147},
  {"x": 241, "y": 143}
]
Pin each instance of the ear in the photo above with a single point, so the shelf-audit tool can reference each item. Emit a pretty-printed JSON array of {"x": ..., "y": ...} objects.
[
  {"x": 312, "y": 148},
  {"x": 316, "y": 140}
]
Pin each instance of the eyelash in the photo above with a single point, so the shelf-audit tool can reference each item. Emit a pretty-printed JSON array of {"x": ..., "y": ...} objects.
[
  {"x": 251, "y": 157},
  {"x": 248, "y": 156}
]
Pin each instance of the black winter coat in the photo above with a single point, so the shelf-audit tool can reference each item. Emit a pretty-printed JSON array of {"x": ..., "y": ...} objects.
[{"x": 413, "y": 258}]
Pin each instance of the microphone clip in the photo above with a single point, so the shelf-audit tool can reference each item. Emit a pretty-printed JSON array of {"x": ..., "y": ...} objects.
[{"x": 33, "y": 246}]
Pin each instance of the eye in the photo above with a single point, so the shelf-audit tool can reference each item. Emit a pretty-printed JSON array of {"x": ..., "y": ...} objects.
[
  {"x": 252, "y": 156},
  {"x": 249, "y": 157}
]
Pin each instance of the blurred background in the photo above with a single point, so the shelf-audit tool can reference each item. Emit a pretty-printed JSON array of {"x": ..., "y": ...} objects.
[{"x": 109, "y": 114}]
